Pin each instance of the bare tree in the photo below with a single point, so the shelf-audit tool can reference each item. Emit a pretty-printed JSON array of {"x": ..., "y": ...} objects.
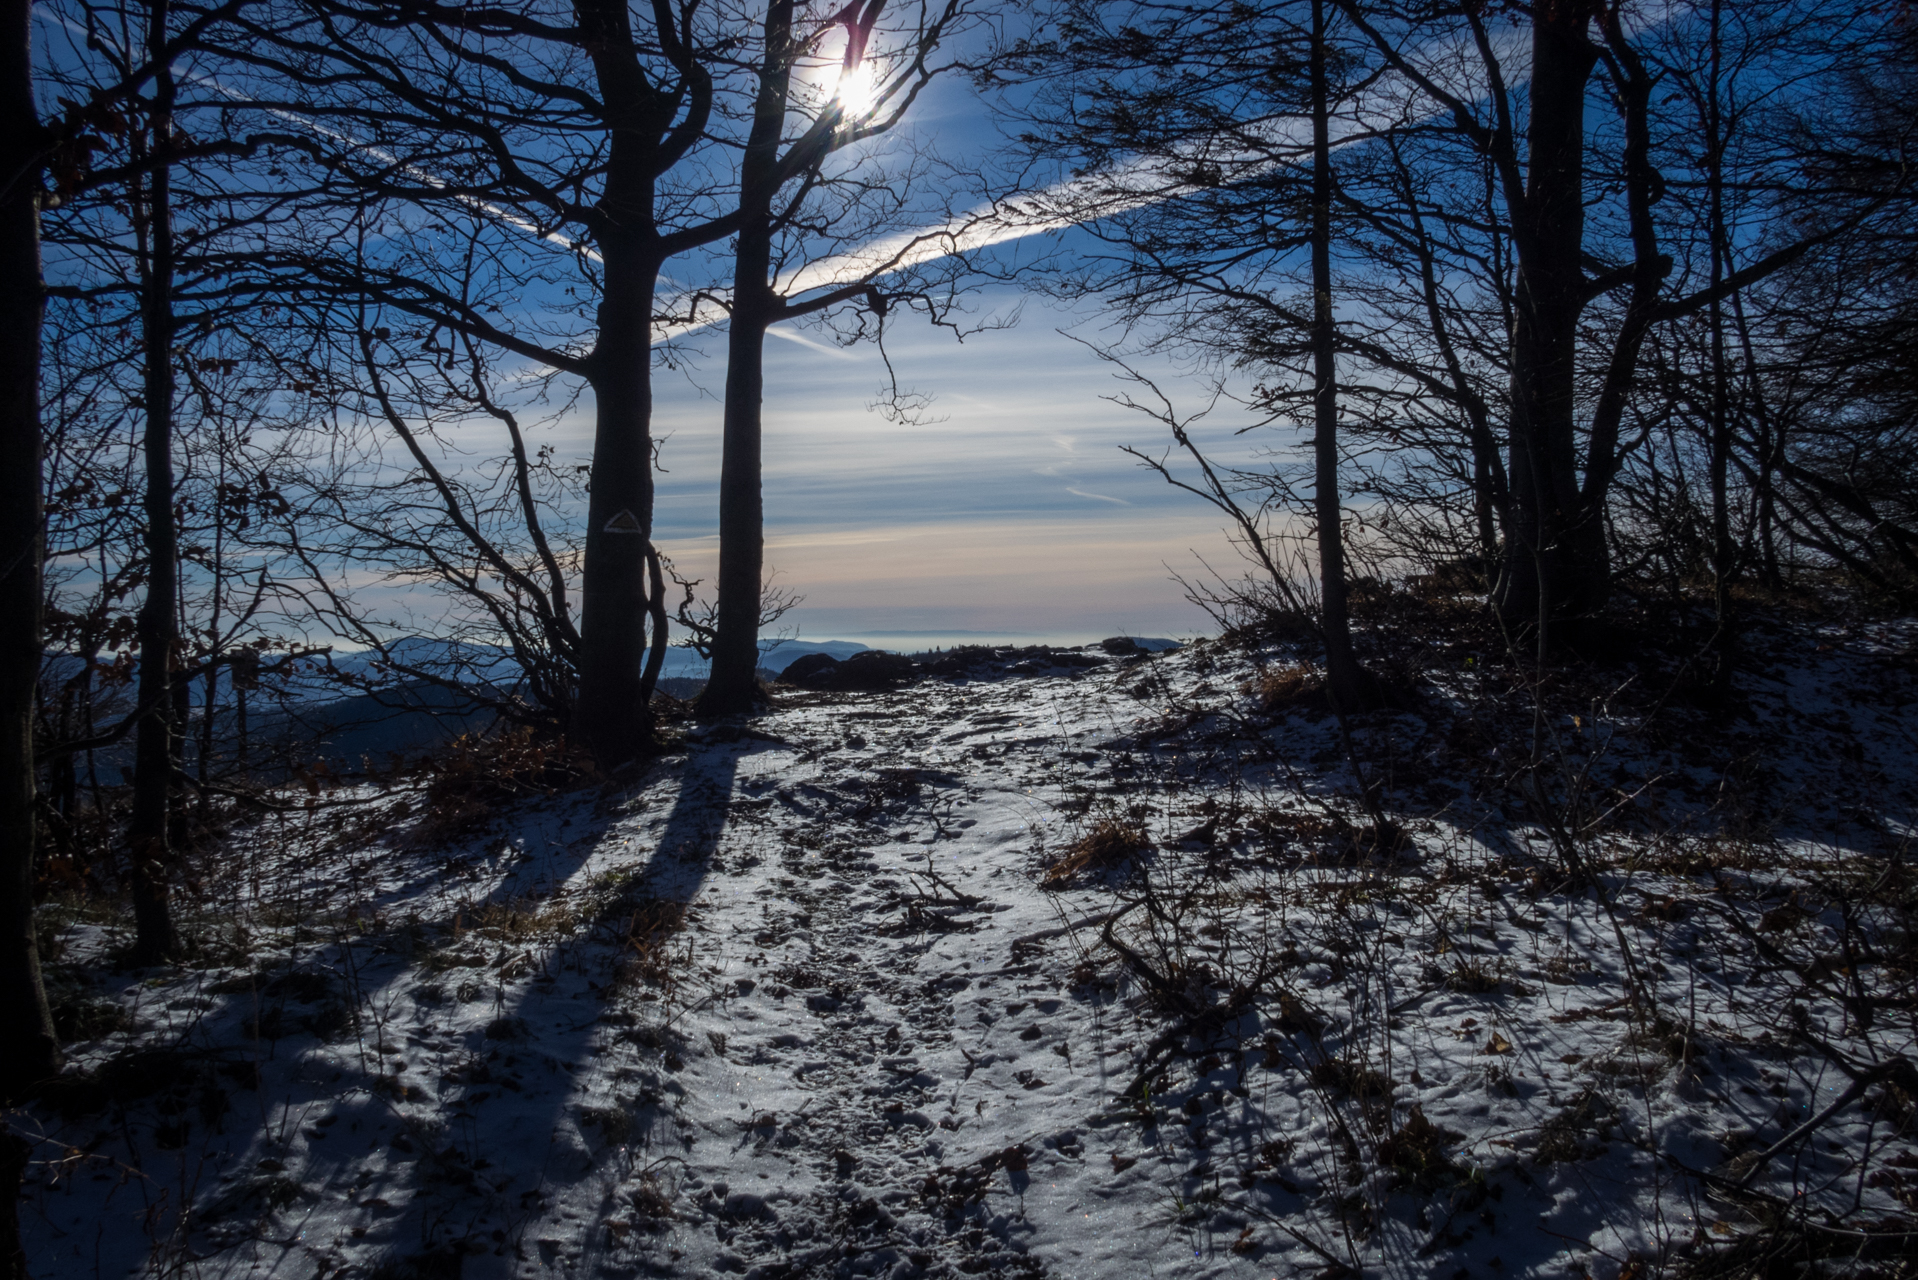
[
  {"x": 577, "y": 134},
  {"x": 1348, "y": 685},
  {"x": 780, "y": 183},
  {"x": 1563, "y": 456},
  {"x": 33, "y": 152},
  {"x": 1238, "y": 110},
  {"x": 25, "y": 147}
]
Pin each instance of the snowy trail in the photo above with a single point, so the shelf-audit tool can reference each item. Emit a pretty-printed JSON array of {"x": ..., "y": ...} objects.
[
  {"x": 882, "y": 1037},
  {"x": 794, "y": 1004}
]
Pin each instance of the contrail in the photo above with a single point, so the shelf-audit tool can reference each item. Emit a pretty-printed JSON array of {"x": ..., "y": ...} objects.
[{"x": 1137, "y": 184}]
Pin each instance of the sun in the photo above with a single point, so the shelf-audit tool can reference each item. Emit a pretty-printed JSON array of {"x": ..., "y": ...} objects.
[{"x": 857, "y": 89}]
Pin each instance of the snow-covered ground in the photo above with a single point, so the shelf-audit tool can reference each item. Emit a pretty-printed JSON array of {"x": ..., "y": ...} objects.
[{"x": 814, "y": 997}]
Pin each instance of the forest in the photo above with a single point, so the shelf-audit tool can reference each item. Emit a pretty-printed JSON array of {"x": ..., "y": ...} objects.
[{"x": 1515, "y": 875}]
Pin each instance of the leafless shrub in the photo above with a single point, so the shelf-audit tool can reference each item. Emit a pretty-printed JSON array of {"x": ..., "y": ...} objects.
[{"x": 475, "y": 777}]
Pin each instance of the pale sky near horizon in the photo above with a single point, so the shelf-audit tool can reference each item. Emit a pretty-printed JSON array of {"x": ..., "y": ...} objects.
[
  {"x": 1012, "y": 513},
  {"x": 1015, "y": 514}
]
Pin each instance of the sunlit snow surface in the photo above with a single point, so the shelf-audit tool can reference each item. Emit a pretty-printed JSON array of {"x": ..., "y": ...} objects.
[{"x": 873, "y": 1000}]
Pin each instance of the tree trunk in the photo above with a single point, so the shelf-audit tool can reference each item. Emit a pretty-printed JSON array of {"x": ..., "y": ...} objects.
[
  {"x": 610, "y": 715},
  {"x": 1724, "y": 555},
  {"x": 32, "y": 1052},
  {"x": 155, "y": 754},
  {"x": 1556, "y": 570},
  {"x": 732, "y": 687},
  {"x": 1348, "y": 685}
]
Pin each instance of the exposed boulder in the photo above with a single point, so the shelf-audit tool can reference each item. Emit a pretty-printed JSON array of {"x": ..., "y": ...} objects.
[
  {"x": 1137, "y": 646},
  {"x": 870, "y": 671},
  {"x": 803, "y": 670},
  {"x": 873, "y": 670}
]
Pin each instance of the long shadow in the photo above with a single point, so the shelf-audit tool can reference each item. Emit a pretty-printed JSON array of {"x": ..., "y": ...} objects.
[
  {"x": 544, "y": 1155},
  {"x": 457, "y": 1189},
  {"x": 683, "y": 855}
]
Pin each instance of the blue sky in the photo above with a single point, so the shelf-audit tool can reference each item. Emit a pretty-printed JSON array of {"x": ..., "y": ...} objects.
[
  {"x": 1015, "y": 512},
  {"x": 1012, "y": 512}
]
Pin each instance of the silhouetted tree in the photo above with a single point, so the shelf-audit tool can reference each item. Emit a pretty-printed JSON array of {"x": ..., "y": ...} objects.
[
  {"x": 572, "y": 137},
  {"x": 26, "y": 150},
  {"x": 780, "y": 182}
]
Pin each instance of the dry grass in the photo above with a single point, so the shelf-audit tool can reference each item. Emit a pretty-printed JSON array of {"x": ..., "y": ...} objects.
[
  {"x": 520, "y": 917},
  {"x": 1290, "y": 685},
  {"x": 1109, "y": 845},
  {"x": 649, "y": 959}
]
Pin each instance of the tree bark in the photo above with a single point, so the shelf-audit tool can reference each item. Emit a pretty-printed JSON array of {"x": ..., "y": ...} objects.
[
  {"x": 1724, "y": 555},
  {"x": 611, "y": 715},
  {"x": 611, "y": 718},
  {"x": 32, "y": 1051},
  {"x": 155, "y": 753},
  {"x": 732, "y": 687},
  {"x": 1348, "y": 686},
  {"x": 1556, "y": 570}
]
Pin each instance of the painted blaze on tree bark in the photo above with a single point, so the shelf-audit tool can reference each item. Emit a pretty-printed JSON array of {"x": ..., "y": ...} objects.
[{"x": 647, "y": 135}]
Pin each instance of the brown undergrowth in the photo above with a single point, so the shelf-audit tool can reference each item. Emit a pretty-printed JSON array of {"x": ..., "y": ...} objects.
[
  {"x": 476, "y": 779},
  {"x": 1578, "y": 790},
  {"x": 1110, "y": 844}
]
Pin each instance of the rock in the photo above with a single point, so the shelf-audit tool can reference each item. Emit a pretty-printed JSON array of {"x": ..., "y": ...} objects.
[
  {"x": 874, "y": 670},
  {"x": 871, "y": 671},
  {"x": 805, "y": 669},
  {"x": 745, "y": 1204},
  {"x": 1134, "y": 646}
]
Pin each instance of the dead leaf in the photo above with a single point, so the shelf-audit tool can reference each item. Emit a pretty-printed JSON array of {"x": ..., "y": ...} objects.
[
  {"x": 1121, "y": 1163},
  {"x": 1498, "y": 1044}
]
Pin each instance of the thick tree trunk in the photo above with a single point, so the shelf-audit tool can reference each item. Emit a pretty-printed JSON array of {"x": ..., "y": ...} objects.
[
  {"x": 1348, "y": 685},
  {"x": 732, "y": 687},
  {"x": 611, "y": 718},
  {"x": 1556, "y": 569},
  {"x": 32, "y": 1052}
]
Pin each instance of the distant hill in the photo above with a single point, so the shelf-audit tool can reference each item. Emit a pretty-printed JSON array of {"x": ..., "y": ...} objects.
[{"x": 319, "y": 718}]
